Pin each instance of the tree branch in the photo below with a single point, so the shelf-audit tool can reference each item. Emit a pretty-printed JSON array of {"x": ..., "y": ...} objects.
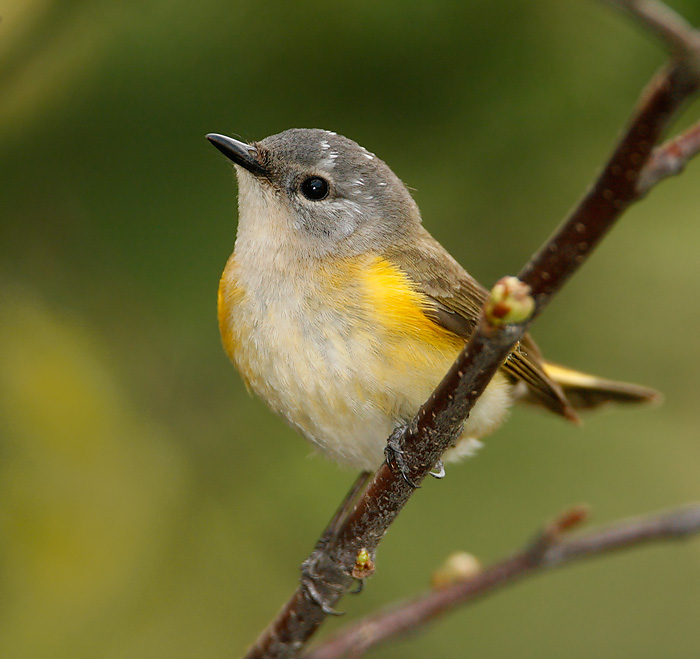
[
  {"x": 670, "y": 27},
  {"x": 616, "y": 187},
  {"x": 669, "y": 159},
  {"x": 548, "y": 551},
  {"x": 440, "y": 419}
]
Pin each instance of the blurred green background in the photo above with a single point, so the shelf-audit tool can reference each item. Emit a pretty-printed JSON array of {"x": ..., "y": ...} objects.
[{"x": 150, "y": 507}]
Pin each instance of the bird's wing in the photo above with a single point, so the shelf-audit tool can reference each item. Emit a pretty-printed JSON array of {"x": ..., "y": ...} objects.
[{"x": 454, "y": 301}]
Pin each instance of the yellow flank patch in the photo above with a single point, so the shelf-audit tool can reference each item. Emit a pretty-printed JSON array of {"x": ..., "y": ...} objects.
[
  {"x": 400, "y": 309},
  {"x": 229, "y": 295},
  {"x": 407, "y": 353}
]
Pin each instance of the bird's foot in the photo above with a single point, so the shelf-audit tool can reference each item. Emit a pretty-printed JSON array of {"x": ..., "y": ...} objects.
[
  {"x": 439, "y": 470},
  {"x": 395, "y": 457}
]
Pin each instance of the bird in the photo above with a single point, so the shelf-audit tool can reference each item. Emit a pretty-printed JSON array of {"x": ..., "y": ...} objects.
[{"x": 342, "y": 312}]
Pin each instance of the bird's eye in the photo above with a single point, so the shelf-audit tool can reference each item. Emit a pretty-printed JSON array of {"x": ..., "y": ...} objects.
[{"x": 315, "y": 188}]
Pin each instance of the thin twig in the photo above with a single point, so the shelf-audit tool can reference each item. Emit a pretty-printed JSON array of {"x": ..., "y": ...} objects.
[
  {"x": 547, "y": 552},
  {"x": 669, "y": 159},
  {"x": 670, "y": 27},
  {"x": 439, "y": 420}
]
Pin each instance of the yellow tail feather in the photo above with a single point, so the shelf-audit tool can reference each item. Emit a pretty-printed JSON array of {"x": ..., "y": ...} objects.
[{"x": 586, "y": 391}]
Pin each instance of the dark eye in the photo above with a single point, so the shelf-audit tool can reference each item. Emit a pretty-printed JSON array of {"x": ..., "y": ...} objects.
[{"x": 315, "y": 188}]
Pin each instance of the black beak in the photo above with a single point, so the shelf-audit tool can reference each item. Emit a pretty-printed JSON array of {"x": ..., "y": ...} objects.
[{"x": 239, "y": 152}]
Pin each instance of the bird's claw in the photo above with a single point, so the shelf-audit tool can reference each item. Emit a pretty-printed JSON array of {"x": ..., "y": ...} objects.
[
  {"x": 439, "y": 471},
  {"x": 358, "y": 587},
  {"x": 395, "y": 460},
  {"x": 309, "y": 579}
]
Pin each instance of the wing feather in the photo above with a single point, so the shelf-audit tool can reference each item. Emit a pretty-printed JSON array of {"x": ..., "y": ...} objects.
[{"x": 455, "y": 300}]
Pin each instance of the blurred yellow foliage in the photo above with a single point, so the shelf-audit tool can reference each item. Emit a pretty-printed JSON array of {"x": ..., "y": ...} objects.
[{"x": 87, "y": 485}]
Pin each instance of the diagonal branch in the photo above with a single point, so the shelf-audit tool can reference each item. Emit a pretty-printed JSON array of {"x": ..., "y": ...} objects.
[
  {"x": 548, "y": 551},
  {"x": 615, "y": 188},
  {"x": 439, "y": 420},
  {"x": 670, "y": 27}
]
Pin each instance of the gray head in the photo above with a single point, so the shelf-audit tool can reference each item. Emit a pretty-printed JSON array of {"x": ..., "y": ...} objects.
[{"x": 323, "y": 191}]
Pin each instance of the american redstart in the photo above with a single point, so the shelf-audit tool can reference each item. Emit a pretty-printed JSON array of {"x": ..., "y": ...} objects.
[{"x": 343, "y": 313}]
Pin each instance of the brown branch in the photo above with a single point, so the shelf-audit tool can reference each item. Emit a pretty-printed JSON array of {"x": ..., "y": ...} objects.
[
  {"x": 669, "y": 159},
  {"x": 670, "y": 27},
  {"x": 439, "y": 420},
  {"x": 547, "y": 552},
  {"x": 616, "y": 187}
]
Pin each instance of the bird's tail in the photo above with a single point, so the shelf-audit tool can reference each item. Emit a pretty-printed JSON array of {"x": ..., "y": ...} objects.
[{"x": 587, "y": 392}]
